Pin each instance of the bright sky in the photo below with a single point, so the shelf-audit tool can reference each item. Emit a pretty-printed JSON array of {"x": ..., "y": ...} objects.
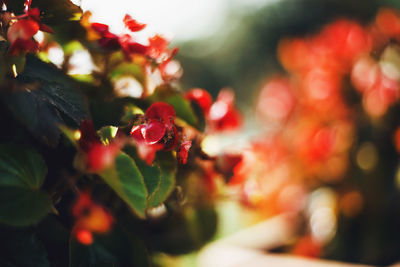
[{"x": 176, "y": 19}]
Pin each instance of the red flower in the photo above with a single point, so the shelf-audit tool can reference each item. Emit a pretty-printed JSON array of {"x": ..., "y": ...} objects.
[
  {"x": 132, "y": 24},
  {"x": 183, "y": 151},
  {"x": 158, "y": 50},
  {"x": 98, "y": 156},
  {"x": 20, "y": 36},
  {"x": 130, "y": 46},
  {"x": 223, "y": 115},
  {"x": 20, "y": 33},
  {"x": 158, "y": 131},
  {"x": 307, "y": 247},
  {"x": 201, "y": 97},
  {"x": 90, "y": 218},
  {"x": 107, "y": 39}
]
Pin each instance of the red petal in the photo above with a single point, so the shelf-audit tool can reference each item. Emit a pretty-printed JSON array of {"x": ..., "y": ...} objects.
[
  {"x": 84, "y": 236},
  {"x": 148, "y": 152},
  {"x": 227, "y": 96},
  {"x": 100, "y": 28},
  {"x": 22, "y": 29},
  {"x": 184, "y": 151},
  {"x": 132, "y": 24},
  {"x": 130, "y": 46},
  {"x": 201, "y": 97},
  {"x": 158, "y": 46},
  {"x": 172, "y": 139},
  {"x": 109, "y": 41},
  {"x": 153, "y": 132},
  {"x": 83, "y": 203},
  {"x": 23, "y": 46},
  {"x": 136, "y": 133},
  {"x": 101, "y": 157},
  {"x": 89, "y": 136},
  {"x": 45, "y": 28},
  {"x": 161, "y": 111},
  {"x": 34, "y": 13}
]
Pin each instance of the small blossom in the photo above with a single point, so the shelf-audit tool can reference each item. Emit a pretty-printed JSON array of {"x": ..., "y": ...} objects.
[
  {"x": 20, "y": 33},
  {"x": 98, "y": 155},
  {"x": 156, "y": 132},
  {"x": 201, "y": 97},
  {"x": 132, "y": 24},
  {"x": 223, "y": 116},
  {"x": 90, "y": 218},
  {"x": 183, "y": 152}
]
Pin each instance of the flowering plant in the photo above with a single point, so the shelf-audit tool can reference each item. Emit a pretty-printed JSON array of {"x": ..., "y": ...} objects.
[{"x": 95, "y": 164}]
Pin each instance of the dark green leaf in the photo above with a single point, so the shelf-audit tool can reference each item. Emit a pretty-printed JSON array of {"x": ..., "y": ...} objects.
[
  {"x": 22, "y": 173},
  {"x": 43, "y": 93},
  {"x": 151, "y": 174},
  {"x": 117, "y": 248},
  {"x": 182, "y": 107},
  {"x": 168, "y": 168},
  {"x": 21, "y": 247},
  {"x": 127, "y": 181}
]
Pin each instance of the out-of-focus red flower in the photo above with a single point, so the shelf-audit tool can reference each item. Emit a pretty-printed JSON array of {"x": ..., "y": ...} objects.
[
  {"x": 98, "y": 156},
  {"x": 201, "y": 97},
  {"x": 90, "y": 218},
  {"x": 183, "y": 151},
  {"x": 388, "y": 22},
  {"x": 316, "y": 144},
  {"x": 294, "y": 54},
  {"x": 307, "y": 247},
  {"x": 131, "y": 47},
  {"x": 107, "y": 39},
  {"x": 347, "y": 39},
  {"x": 156, "y": 132},
  {"x": 20, "y": 33},
  {"x": 20, "y": 36},
  {"x": 158, "y": 47},
  {"x": 223, "y": 116},
  {"x": 226, "y": 162},
  {"x": 133, "y": 25},
  {"x": 276, "y": 100},
  {"x": 84, "y": 236}
]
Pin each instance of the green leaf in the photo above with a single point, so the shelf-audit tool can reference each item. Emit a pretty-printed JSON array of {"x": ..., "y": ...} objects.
[
  {"x": 116, "y": 248},
  {"x": 151, "y": 173},
  {"x": 127, "y": 181},
  {"x": 42, "y": 96},
  {"x": 182, "y": 107},
  {"x": 22, "y": 173},
  {"x": 168, "y": 168},
  {"x": 21, "y": 247},
  {"x": 129, "y": 69}
]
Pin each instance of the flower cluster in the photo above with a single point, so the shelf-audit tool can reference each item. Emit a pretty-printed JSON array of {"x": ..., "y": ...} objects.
[
  {"x": 314, "y": 122},
  {"x": 221, "y": 115},
  {"x": 89, "y": 218},
  {"x": 156, "y": 51},
  {"x": 156, "y": 130},
  {"x": 23, "y": 28}
]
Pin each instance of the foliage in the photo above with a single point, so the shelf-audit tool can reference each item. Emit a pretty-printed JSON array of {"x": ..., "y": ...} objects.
[{"x": 87, "y": 158}]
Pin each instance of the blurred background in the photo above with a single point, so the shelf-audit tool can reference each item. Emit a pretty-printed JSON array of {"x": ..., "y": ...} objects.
[{"x": 324, "y": 167}]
